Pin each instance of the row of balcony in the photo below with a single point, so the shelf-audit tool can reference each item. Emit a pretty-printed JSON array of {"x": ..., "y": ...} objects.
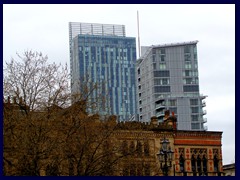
[{"x": 160, "y": 106}]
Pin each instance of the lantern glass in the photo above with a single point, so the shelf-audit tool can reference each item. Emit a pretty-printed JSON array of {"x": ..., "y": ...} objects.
[
  {"x": 170, "y": 154},
  {"x": 164, "y": 144},
  {"x": 161, "y": 156}
]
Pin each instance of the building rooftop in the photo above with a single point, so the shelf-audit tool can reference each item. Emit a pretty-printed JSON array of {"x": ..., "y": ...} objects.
[
  {"x": 175, "y": 44},
  {"x": 149, "y": 48},
  {"x": 76, "y": 28}
]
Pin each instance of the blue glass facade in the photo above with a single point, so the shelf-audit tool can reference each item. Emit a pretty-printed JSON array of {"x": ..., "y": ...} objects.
[{"x": 108, "y": 61}]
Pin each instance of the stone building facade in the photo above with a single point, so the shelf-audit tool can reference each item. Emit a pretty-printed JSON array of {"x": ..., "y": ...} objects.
[{"x": 196, "y": 153}]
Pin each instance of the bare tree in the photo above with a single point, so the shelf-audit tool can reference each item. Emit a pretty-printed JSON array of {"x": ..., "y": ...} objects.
[
  {"x": 31, "y": 86},
  {"x": 35, "y": 82},
  {"x": 43, "y": 131}
]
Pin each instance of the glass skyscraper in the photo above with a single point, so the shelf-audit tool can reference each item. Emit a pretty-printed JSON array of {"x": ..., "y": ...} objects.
[
  {"x": 101, "y": 54},
  {"x": 167, "y": 79}
]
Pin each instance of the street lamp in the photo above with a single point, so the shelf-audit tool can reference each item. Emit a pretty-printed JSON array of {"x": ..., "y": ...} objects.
[{"x": 165, "y": 156}]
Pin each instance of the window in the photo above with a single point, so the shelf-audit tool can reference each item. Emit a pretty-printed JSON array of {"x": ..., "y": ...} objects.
[
  {"x": 194, "y": 117},
  {"x": 199, "y": 168},
  {"x": 187, "y": 49},
  {"x": 187, "y": 57},
  {"x": 161, "y": 73},
  {"x": 195, "y": 125},
  {"x": 165, "y": 81},
  {"x": 193, "y": 162},
  {"x": 195, "y": 52},
  {"x": 193, "y": 101},
  {"x": 188, "y": 65},
  {"x": 195, "y": 57},
  {"x": 161, "y": 89},
  {"x": 204, "y": 160},
  {"x": 153, "y": 51},
  {"x": 153, "y": 57},
  {"x": 162, "y": 66},
  {"x": 187, "y": 73},
  {"x": 162, "y": 58},
  {"x": 138, "y": 71},
  {"x": 154, "y": 66},
  {"x": 181, "y": 163},
  {"x": 199, "y": 161},
  {"x": 188, "y": 81},
  {"x": 162, "y": 51},
  {"x": 189, "y": 88},
  {"x": 172, "y": 102},
  {"x": 195, "y": 65},
  {"x": 215, "y": 162},
  {"x": 161, "y": 81},
  {"x": 195, "y": 49},
  {"x": 195, "y": 109}
]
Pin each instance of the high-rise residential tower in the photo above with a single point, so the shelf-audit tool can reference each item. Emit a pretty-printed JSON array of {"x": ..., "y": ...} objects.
[
  {"x": 167, "y": 79},
  {"x": 102, "y": 54}
]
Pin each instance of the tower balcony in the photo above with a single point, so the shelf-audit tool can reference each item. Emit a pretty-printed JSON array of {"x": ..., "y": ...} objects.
[
  {"x": 159, "y": 106},
  {"x": 204, "y": 112},
  {"x": 160, "y": 114},
  {"x": 204, "y": 120},
  {"x": 203, "y": 103},
  {"x": 203, "y": 96}
]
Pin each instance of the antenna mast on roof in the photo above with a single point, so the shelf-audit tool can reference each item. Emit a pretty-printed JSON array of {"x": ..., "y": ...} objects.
[{"x": 138, "y": 36}]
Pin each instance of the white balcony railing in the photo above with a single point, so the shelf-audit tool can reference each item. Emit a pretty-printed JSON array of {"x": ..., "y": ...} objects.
[
  {"x": 204, "y": 120},
  {"x": 160, "y": 106},
  {"x": 158, "y": 114}
]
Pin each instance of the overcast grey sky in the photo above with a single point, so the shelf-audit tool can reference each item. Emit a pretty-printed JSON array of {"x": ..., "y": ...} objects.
[{"x": 45, "y": 28}]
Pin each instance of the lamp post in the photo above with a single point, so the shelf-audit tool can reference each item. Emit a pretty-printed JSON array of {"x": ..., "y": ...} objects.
[{"x": 165, "y": 156}]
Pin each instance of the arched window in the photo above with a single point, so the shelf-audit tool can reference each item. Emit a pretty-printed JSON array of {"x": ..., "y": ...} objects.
[
  {"x": 193, "y": 162},
  {"x": 204, "y": 160},
  {"x": 181, "y": 163},
  {"x": 215, "y": 162},
  {"x": 199, "y": 168}
]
